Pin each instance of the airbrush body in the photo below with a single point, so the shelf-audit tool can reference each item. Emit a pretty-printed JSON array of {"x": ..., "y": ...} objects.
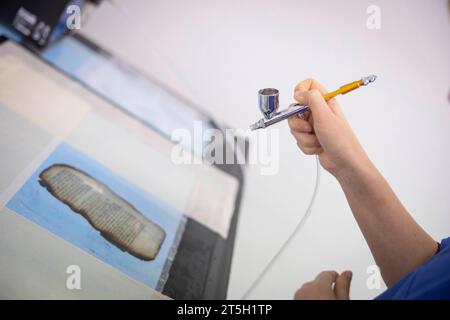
[{"x": 269, "y": 103}]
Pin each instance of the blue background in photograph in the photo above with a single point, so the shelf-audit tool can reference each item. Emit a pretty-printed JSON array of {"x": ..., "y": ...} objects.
[{"x": 35, "y": 203}]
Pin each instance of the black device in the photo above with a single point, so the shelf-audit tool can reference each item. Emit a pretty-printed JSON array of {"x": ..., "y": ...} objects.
[{"x": 38, "y": 22}]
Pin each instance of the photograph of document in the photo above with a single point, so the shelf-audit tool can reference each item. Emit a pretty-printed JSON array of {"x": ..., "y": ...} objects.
[
  {"x": 98, "y": 211},
  {"x": 117, "y": 220}
]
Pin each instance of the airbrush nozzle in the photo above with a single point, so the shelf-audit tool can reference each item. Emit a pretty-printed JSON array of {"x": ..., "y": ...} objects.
[{"x": 257, "y": 125}]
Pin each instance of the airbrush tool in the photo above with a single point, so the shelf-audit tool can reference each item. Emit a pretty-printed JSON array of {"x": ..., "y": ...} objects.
[{"x": 269, "y": 103}]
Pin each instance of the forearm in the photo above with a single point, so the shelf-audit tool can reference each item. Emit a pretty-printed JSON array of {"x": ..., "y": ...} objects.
[{"x": 397, "y": 242}]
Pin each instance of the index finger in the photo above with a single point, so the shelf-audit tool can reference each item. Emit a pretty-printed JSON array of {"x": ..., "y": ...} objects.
[
  {"x": 327, "y": 277},
  {"x": 309, "y": 84},
  {"x": 313, "y": 84}
]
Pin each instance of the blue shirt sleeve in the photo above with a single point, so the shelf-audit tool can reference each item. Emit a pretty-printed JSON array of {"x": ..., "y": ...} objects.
[{"x": 430, "y": 281}]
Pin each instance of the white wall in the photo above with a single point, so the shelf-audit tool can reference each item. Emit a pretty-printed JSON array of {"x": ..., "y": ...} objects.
[{"x": 219, "y": 53}]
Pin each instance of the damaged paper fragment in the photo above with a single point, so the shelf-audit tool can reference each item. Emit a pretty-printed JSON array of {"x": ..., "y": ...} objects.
[{"x": 116, "y": 219}]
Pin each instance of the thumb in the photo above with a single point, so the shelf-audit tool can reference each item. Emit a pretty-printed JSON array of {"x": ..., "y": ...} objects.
[
  {"x": 319, "y": 108},
  {"x": 342, "y": 286}
]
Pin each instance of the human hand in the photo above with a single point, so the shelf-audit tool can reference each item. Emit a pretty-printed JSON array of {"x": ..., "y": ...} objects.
[
  {"x": 328, "y": 285},
  {"x": 324, "y": 130}
]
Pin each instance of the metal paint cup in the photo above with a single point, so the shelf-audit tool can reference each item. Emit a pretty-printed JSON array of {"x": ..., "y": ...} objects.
[{"x": 268, "y": 101}]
